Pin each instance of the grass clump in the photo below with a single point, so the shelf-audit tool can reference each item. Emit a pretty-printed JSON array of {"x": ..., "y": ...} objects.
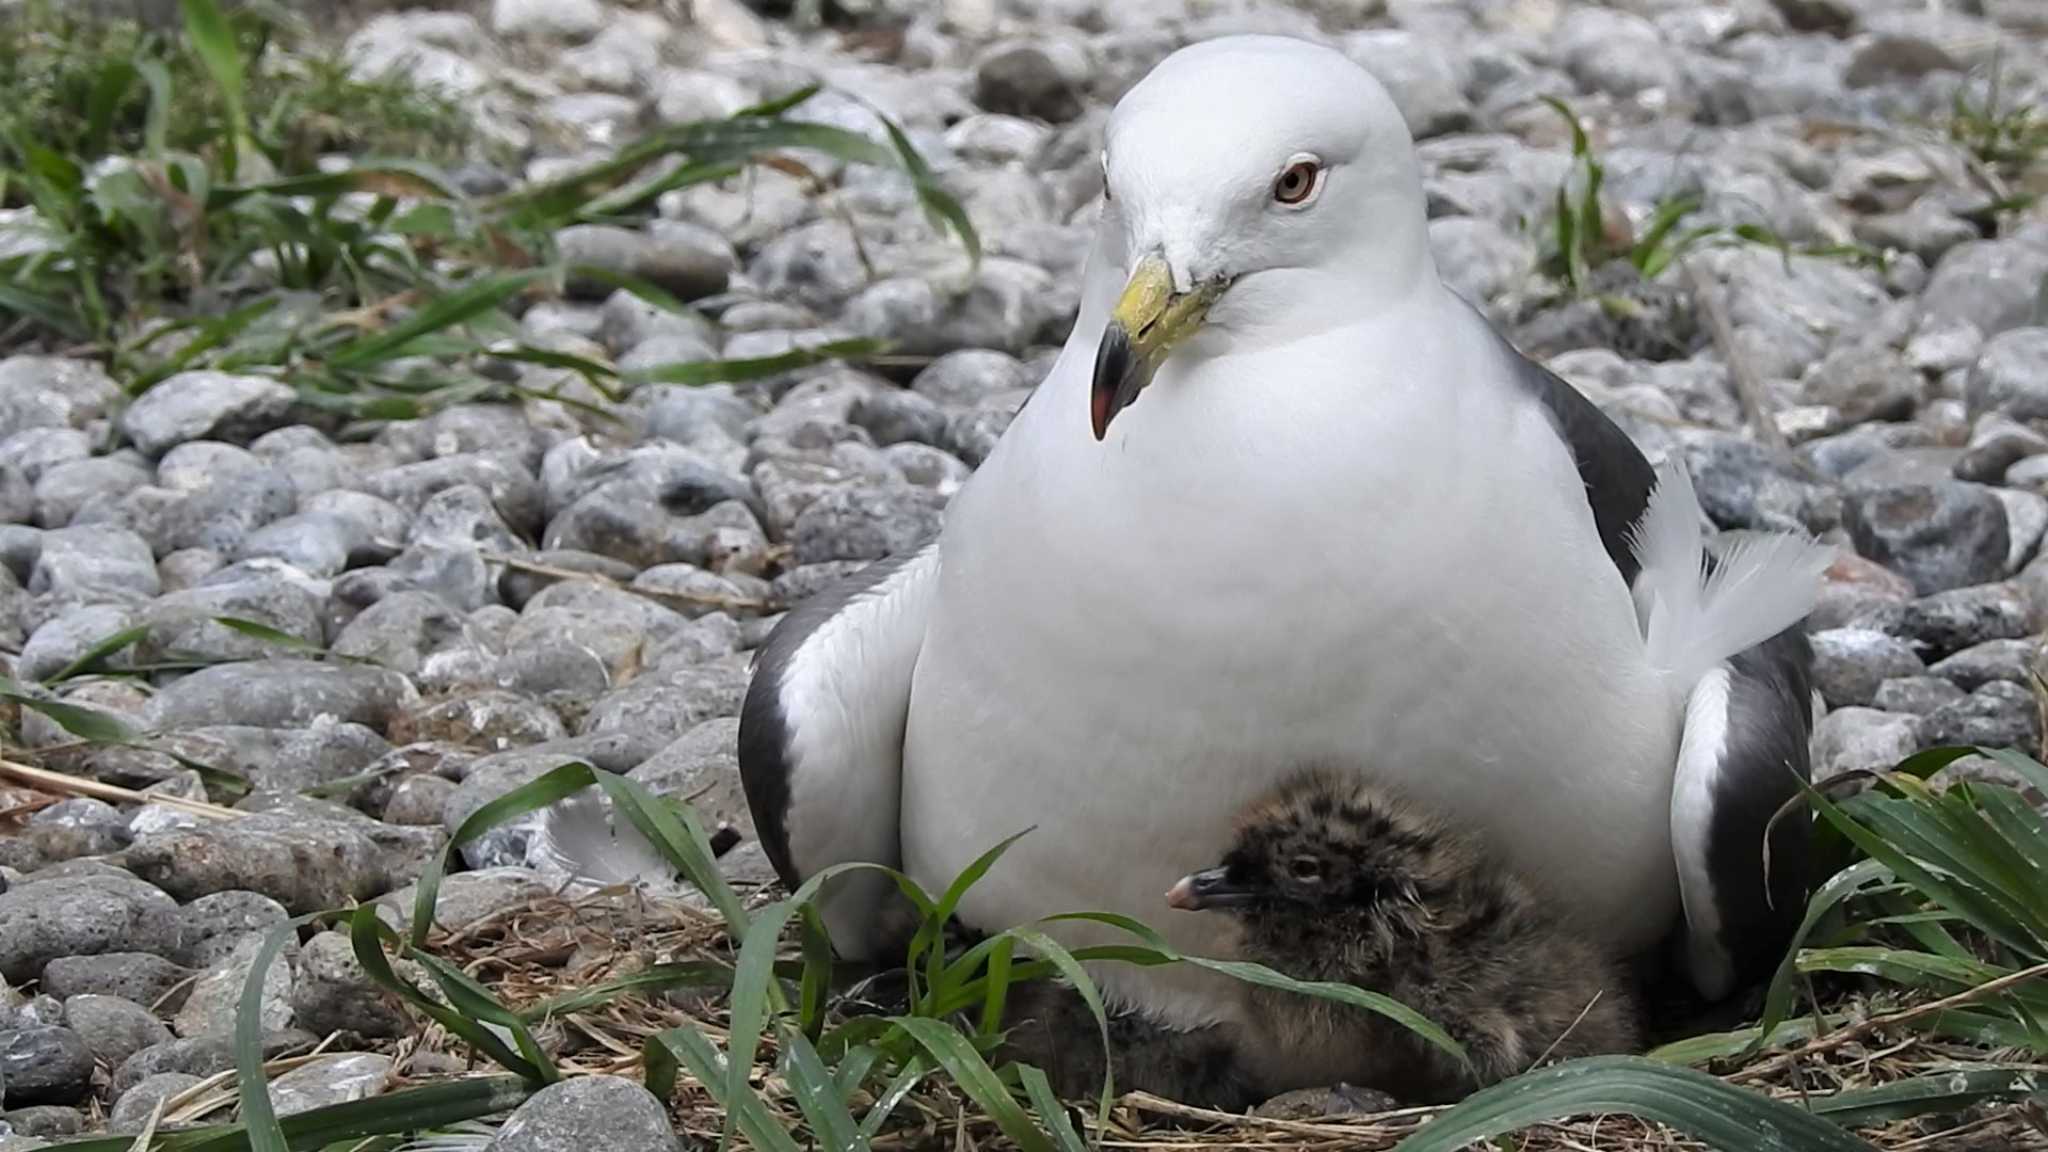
[
  {"x": 1935, "y": 931},
  {"x": 1587, "y": 251},
  {"x": 214, "y": 232},
  {"x": 87, "y": 86}
]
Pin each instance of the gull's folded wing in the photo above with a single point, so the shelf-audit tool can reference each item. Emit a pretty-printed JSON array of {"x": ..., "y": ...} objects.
[
  {"x": 1744, "y": 755},
  {"x": 1745, "y": 745},
  {"x": 821, "y": 736}
]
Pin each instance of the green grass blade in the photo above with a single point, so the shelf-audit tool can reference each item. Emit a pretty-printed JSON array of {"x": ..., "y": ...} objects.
[
  {"x": 1717, "y": 1114},
  {"x": 261, "y": 1120},
  {"x": 1265, "y": 977},
  {"x": 914, "y": 1072},
  {"x": 476, "y": 1003},
  {"x": 2026, "y": 767},
  {"x": 998, "y": 983},
  {"x": 1694, "y": 1051},
  {"x": 366, "y": 936},
  {"x": 971, "y": 1073},
  {"x": 478, "y": 296},
  {"x": 817, "y": 978},
  {"x": 938, "y": 203},
  {"x": 676, "y": 834},
  {"x": 1937, "y": 1093},
  {"x": 753, "y": 984},
  {"x": 425, "y": 1107},
  {"x": 1650, "y": 254},
  {"x": 817, "y": 1096},
  {"x": 678, "y": 1048},
  {"x": 851, "y": 1070},
  {"x": 1784, "y": 985},
  {"x": 1077, "y": 976},
  {"x": 258, "y": 630},
  {"x": 653, "y": 978},
  {"x": 1880, "y": 845},
  {"x": 557, "y": 784},
  {"x": 84, "y": 723},
  {"x": 213, "y": 40},
  {"x": 1901, "y": 966},
  {"x": 92, "y": 658},
  {"x": 1051, "y": 1112},
  {"x": 929, "y": 943},
  {"x": 397, "y": 179}
]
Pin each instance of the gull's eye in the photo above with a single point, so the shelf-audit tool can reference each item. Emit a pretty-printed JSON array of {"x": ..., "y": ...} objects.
[
  {"x": 1297, "y": 183},
  {"x": 1306, "y": 869}
]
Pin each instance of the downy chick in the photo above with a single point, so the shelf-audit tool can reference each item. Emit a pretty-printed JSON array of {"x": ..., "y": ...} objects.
[{"x": 1332, "y": 879}]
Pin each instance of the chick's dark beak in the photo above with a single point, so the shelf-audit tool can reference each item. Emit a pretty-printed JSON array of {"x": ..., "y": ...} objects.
[
  {"x": 1149, "y": 320},
  {"x": 1209, "y": 888}
]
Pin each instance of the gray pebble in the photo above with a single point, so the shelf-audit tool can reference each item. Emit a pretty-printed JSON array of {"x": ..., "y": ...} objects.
[
  {"x": 511, "y": 485},
  {"x": 332, "y": 993},
  {"x": 467, "y": 897},
  {"x": 45, "y": 1065},
  {"x": 284, "y": 693},
  {"x": 330, "y": 1080},
  {"x": 866, "y": 523},
  {"x": 53, "y": 392},
  {"x": 205, "y": 405},
  {"x": 417, "y": 800},
  {"x": 42, "y": 1121},
  {"x": 662, "y": 705},
  {"x": 587, "y": 1111},
  {"x": 304, "y": 864},
  {"x": 1850, "y": 663},
  {"x": 200, "y": 1056},
  {"x": 686, "y": 260},
  {"x": 63, "y": 639},
  {"x": 1993, "y": 285},
  {"x": 1998, "y": 715},
  {"x": 187, "y": 625},
  {"x": 400, "y": 630},
  {"x": 1916, "y": 695},
  {"x": 139, "y": 977},
  {"x": 702, "y": 767},
  {"x": 214, "y": 1004},
  {"x": 1948, "y": 622},
  {"x": 65, "y": 489},
  {"x": 217, "y": 924},
  {"x": 1973, "y": 667},
  {"x": 2011, "y": 376},
  {"x": 1939, "y": 536},
  {"x": 80, "y": 917},
  {"x": 113, "y": 1028},
  {"x": 491, "y": 719},
  {"x": 1863, "y": 739},
  {"x": 135, "y": 1106}
]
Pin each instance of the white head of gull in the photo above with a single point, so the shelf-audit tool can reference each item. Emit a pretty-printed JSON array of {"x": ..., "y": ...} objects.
[{"x": 1283, "y": 498}]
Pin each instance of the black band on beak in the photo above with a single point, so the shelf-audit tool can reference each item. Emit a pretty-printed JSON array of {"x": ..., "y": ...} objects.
[{"x": 1117, "y": 378}]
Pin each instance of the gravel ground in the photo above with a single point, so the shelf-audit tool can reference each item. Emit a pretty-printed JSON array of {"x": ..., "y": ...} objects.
[{"x": 1897, "y": 410}]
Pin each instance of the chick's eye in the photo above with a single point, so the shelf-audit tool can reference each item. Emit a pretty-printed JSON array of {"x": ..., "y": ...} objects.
[
  {"x": 1297, "y": 182},
  {"x": 1305, "y": 868}
]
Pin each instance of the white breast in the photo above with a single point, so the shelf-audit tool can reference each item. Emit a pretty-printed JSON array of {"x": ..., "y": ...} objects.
[{"x": 1397, "y": 572}]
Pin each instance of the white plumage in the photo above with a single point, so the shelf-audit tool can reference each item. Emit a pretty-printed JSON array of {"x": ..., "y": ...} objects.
[{"x": 1341, "y": 524}]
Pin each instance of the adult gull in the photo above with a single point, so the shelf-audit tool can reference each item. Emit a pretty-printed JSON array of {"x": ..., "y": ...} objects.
[{"x": 1283, "y": 498}]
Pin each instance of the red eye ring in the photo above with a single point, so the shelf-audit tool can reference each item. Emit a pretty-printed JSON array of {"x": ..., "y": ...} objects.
[{"x": 1297, "y": 182}]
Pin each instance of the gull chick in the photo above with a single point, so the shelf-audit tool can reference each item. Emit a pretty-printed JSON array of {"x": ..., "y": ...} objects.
[{"x": 1332, "y": 879}]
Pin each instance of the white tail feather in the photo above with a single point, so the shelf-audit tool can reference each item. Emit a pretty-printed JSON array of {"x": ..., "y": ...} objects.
[{"x": 1764, "y": 583}]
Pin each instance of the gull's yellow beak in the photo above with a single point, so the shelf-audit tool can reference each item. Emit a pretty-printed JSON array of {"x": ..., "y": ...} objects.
[{"x": 1149, "y": 321}]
